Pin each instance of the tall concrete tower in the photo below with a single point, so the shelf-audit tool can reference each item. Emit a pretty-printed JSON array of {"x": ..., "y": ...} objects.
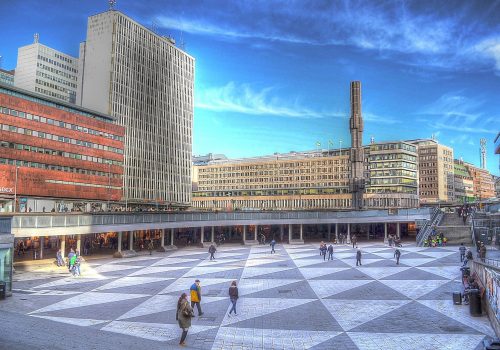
[{"x": 357, "y": 180}]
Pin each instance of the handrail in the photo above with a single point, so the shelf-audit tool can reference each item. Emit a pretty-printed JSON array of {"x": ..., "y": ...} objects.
[{"x": 435, "y": 219}]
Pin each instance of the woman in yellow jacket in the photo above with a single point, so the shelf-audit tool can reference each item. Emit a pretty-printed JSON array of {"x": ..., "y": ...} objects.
[{"x": 196, "y": 296}]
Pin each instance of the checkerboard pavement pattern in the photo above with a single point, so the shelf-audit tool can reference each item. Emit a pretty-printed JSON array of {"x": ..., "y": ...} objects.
[{"x": 288, "y": 300}]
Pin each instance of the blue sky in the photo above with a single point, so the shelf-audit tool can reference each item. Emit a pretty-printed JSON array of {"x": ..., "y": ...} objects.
[{"x": 273, "y": 76}]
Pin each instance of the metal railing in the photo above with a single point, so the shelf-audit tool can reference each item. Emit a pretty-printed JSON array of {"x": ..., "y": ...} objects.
[
  {"x": 426, "y": 230},
  {"x": 126, "y": 218}
]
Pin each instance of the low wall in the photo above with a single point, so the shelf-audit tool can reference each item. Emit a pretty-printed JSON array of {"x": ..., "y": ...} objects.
[{"x": 490, "y": 278}]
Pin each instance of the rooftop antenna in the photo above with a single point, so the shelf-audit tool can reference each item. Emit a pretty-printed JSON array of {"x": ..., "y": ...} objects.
[
  {"x": 111, "y": 4},
  {"x": 182, "y": 43},
  {"x": 433, "y": 137},
  {"x": 482, "y": 142},
  {"x": 36, "y": 38},
  {"x": 1, "y": 61},
  {"x": 372, "y": 140}
]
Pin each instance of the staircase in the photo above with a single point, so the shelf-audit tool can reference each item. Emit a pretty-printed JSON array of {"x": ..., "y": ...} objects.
[{"x": 453, "y": 228}]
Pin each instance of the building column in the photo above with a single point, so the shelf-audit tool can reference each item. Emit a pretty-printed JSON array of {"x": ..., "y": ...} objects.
[
  {"x": 255, "y": 232},
  {"x": 385, "y": 232},
  {"x": 63, "y": 246},
  {"x": 131, "y": 240},
  {"x": 290, "y": 231},
  {"x": 120, "y": 236},
  {"x": 172, "y": 231},
  {"x": 162, "y": 238},
  {"x": 398, "y": 230},
  {"x": 301, "y": 232},
  {"x": 336, "y": 232},
  {"x": 244, "y": 233},
  {"x": 348, "y": 233},
  {"x": 202, "y": 234},
  {"x": 79, "y": 243},
  {"x": 282, "y": 232},
  {"x": 212, "y": 235},
  {"x": 42, "y": 241}
]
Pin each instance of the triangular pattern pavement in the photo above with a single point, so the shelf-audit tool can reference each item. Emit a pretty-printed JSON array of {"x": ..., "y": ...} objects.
[
  {"x": 344, "y": 310},
  {"x": 289, "y": 300}
]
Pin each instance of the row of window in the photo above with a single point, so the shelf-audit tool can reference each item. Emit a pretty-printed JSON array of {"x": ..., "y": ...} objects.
[
  {"x": 392, "y": 146},
  {"x": 67, "y": 169},
  {"x": 58, "y": 64},
  {"x": 54, "y": 94},
  {"x": 272, "y": 192},
  {"x": 56, "y": 71},
  {"x": 54, "y": 86},
  {"x": 392, "y": 156},
  {"x": 59, "y": 123},
  {"x": 58, "y": 138},
  {"x": 52, "y": 152},
  {"x": 82, "y": 184},
  {"x": 56, "y": 79}
]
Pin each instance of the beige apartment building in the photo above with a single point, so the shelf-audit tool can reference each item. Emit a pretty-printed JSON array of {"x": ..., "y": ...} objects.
[
  {"x": 436, "y": 171},
  {"x": 307, "y": 180}
]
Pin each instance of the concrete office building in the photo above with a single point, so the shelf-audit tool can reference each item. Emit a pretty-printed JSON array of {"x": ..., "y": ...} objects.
[
  {"x": 7, "y": 76},
  {"x": 308, "y": 180},
  {"x": 436, "y": 171},
  {"x": 46, "y": 71},
  {"x": 146, "y": 82}
]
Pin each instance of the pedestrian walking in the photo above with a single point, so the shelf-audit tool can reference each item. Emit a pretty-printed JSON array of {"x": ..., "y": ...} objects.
[
  {"x": 150, "y": 247},
  {"x": 59, "y": 258},
  {"x": 330, "y": 252},
  {"x": 78, "y": 262},
  {"x": 212, "y": 251},
  {"x": 462, "y": 250},
  {"x": 195, "y": 291},
  {"x": 322, "y": 250},
  {"x": 390, "y": 240},
  {"x": 233, "y": 297},
  {"x": 358, "y": 257},
  {"x": 354, "y": 240},
  {"x": 397, "y": 255},
  {"x": 272, "y": 244},
  {"x": 183, "y": 317},
  {"x": 71, "y": 259},
  {"x": 482, "y": 252}
]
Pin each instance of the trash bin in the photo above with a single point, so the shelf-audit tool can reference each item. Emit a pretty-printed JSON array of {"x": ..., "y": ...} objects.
[
  {"x": 475, "y": 303},
  {"x": 457, "y": 298},
  {"x": 3, "y": 290}
]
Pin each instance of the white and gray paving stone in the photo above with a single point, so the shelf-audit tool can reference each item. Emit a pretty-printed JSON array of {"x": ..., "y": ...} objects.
[{"x": 289, "y": 300}]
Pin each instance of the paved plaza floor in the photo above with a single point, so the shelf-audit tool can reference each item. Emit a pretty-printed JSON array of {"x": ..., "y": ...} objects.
[{"x": 288, "y": 300}]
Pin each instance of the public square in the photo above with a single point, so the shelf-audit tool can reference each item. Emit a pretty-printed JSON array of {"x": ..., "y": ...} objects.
[{"x": 288, "y": 300}]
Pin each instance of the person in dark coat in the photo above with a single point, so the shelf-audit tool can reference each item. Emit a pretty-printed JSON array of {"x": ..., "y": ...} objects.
[
  {"x": 322, "y": 250},
  {"x": 233, "y": 296},
  {"x": 358, "y": 257},
  {"x": 212, "y": 251},
  {"x": 183, "y": 316},
  {"x": 330, "y": 252},
  {"x": 397, "y": 255}
]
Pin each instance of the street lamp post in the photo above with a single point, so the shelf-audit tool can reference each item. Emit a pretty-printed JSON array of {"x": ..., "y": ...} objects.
[
  {"x": 15, "y": 191},
  {"x": 340, "y": 149}
]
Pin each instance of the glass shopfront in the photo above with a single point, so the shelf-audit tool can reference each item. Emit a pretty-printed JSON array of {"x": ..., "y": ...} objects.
[{"x": 6, "y": 253}]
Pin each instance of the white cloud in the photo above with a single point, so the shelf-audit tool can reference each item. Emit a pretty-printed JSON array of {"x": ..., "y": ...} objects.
[
  {"x": 490, "y": 48},
  {"x": 243, "y": 99}
]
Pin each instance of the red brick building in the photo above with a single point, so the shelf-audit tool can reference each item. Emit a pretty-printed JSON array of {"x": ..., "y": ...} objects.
[{"x": 52, "y": 151}]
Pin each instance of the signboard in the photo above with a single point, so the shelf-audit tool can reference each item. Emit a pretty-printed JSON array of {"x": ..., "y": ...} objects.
[{"x": 7, "y": 190}]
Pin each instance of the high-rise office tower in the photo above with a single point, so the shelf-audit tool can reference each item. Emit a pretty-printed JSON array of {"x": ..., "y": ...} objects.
[
  {"x": 357, "y": 181},
  {"x": 146, "y": 82},
  {"x": 46, "y": 71}
]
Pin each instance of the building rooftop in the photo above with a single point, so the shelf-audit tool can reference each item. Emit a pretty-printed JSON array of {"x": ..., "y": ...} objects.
[{"x": 52, "y": 102}]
